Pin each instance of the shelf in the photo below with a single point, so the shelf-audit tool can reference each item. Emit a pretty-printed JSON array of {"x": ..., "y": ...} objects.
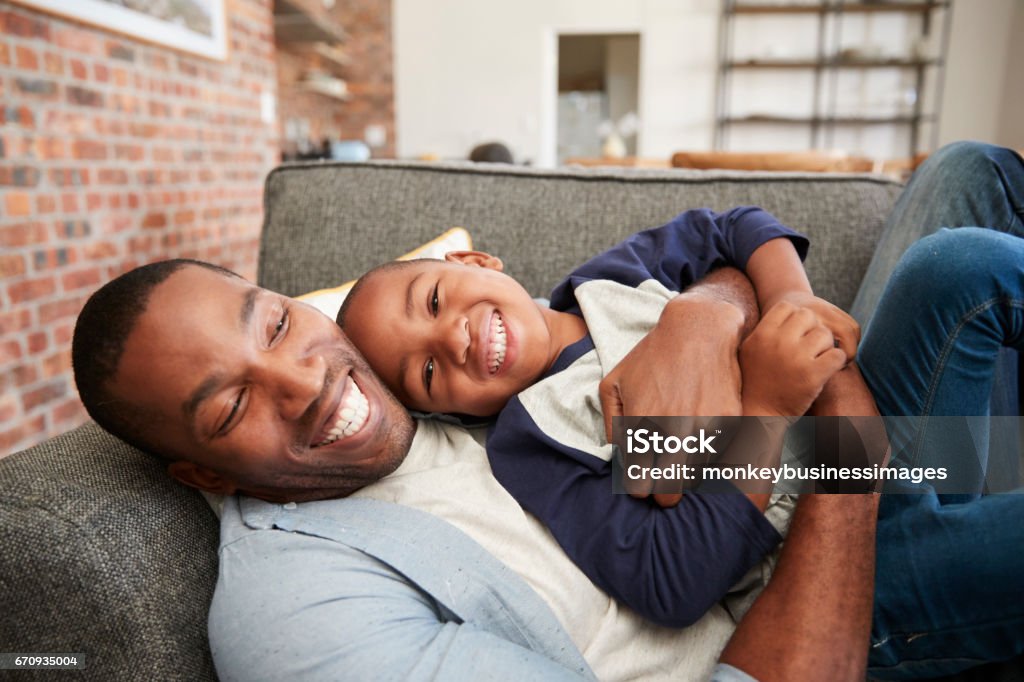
[
  {"x": 330, "y": 87},
  {"x": 832, "y": 120},
  {"x": 860, "y": 7},
  {"x": 292, "y": 24},
  {"x": 841, "y": 64}
]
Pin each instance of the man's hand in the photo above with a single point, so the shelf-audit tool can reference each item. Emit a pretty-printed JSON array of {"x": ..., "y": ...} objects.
[
  {"x": 687, "y": 365},
  {"x": 786, "y": 361}
]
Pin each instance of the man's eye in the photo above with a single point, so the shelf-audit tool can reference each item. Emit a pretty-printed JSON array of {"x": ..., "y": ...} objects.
[
  {"x": 428, "y": 374},
  {"x": 433, "y": 302},
  {"x": 278, "y": 329},
  {"x": 231, "y": 415}
]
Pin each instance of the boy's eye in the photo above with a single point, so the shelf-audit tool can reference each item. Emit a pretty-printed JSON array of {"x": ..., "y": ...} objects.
[
  {"x": 433, "y": 302},
  {"x": 428, "y": 374}
]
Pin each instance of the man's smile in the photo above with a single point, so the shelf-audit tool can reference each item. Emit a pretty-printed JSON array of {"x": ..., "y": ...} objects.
[{"x": 346, "y": 417}]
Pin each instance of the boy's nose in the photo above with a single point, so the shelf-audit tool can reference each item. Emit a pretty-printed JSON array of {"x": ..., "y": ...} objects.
[{"x": 456, "y": 341}]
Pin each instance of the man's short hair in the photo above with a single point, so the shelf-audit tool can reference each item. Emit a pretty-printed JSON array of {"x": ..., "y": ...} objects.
[{"x": 103, "y": 327}]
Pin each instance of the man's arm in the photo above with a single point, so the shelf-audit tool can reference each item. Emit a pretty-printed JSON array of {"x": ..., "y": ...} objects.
[
  {"x": 293, "y": 606},
  {"x": 813, "y": 619}
]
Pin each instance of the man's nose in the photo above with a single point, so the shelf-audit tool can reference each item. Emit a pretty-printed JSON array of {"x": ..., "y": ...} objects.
[{"x": 295, "y": 383}]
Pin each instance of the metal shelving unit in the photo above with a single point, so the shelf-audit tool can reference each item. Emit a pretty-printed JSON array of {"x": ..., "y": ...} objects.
[{"x": 826, "y": 64}]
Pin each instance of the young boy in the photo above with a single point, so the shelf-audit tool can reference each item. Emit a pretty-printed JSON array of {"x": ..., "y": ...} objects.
[{"x": 462, "y": 337}]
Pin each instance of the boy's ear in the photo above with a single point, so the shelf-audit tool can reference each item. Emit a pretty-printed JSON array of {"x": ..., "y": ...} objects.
[
  {"x": 198, "y": 476},
  {"x": 477, "y": 258}
]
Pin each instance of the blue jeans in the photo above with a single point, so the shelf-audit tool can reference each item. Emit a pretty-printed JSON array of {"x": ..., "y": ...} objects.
[{"x": 949, "y": 570}]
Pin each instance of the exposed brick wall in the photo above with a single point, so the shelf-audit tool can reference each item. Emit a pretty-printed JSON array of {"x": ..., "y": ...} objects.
[
  {"x": 114, "y": 153},
  {"x": 369, "y": 75}
]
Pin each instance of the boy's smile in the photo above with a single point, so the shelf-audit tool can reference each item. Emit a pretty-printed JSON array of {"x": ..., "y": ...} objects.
[{"x": 457, "y": 335}]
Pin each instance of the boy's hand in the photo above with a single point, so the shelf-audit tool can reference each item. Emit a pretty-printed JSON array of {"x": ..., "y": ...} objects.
[
  {"x": 844, "y": 328},
  {"x": 786, "y": 361}
]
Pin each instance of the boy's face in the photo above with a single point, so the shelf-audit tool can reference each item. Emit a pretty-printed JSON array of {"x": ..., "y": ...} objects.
[{"x": 454, "y": 336}]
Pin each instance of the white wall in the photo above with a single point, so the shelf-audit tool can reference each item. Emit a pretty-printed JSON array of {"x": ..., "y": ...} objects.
[
  {"x": 473, "y": 70},
  {"x": 468, "y": 71},
  {"x": 976, "y": 94}
]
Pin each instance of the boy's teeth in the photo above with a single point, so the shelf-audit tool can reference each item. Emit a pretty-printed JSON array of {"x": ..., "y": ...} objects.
[
  {"x": 498, "y": 343},
  {"x": 350, "y": 417}
]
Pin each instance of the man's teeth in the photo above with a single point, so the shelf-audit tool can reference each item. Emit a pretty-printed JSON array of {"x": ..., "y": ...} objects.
[
  {"x": 498, "y": 343},
  {"x": 350, "y": 417}
]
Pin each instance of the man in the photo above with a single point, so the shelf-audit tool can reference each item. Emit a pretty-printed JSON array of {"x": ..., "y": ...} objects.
[
  {"x": 243, "y": 388},
  {"x": 240, "y": 387}
]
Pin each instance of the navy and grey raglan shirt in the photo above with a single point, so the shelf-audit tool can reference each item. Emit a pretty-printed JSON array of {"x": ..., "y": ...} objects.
[{"x": 548, "y": 446}]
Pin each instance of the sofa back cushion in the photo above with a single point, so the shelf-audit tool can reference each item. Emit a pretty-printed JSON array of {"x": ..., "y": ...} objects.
[
  {"x": 329, "y": 222},
  {"x": 104, "y": 555}
]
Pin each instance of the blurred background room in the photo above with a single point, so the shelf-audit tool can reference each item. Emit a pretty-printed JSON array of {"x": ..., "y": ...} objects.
[{"x": 138, "y": 130}]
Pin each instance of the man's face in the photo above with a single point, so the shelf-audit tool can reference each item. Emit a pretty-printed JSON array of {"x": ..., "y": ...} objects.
[
  {"x": 456, "y": 336},
  {"x": 256, "y": 392}
]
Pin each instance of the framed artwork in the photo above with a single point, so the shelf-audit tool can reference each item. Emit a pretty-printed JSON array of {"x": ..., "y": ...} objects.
[{"x": 195, "y": 26}]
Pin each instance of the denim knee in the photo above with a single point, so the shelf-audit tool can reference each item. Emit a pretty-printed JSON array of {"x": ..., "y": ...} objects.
[
  {"x": 969, "y": 261},
  {"x": 969, "y": 156}
]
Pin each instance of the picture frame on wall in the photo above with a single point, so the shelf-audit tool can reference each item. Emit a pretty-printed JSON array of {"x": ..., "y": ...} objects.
[{"x": 194, "y": 26}]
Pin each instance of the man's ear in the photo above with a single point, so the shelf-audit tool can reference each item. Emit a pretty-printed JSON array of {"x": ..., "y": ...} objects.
[
  {"x": 477, "y": 258},
  {"x": 198, "y": 476}
]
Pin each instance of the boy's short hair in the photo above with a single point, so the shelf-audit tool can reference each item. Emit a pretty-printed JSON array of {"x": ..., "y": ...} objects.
[
  {"x": 104, "y": 325},
  {"x": 369, "y": 275}
]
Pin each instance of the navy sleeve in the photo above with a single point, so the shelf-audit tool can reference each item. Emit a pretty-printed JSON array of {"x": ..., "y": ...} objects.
[
  {"x": 669, "y": 565},
  {"x": 682, "y": 251}
]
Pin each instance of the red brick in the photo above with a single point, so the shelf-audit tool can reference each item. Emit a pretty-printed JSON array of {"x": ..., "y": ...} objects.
[
  {"x": 154, "y": 220},
  {"x": 14, "y": 321},
  {"x": 31, "y": 289},
  {"x": 8, "y": 409},
  {"x": 79, "y": 69},
  {"x": 69, "y": 410},
  {"x": 18, "y": 203},
  {"x": 42, "y": 395},
  {"x": 85, "y": 97},
  {"x": 101, "y": 72},
  {"x": 37, "y": 342},
  {"x": 88, "y": 149},
  {"x": 11, "y": 265},
  {"x": 46, "y": 203},
  {"x": 62, "y": 334},
  {"x": 14, "y": 440},
  {"x": 99, "y": 250},
  {"x": 24, "y": 26},
  {"x": 26, "y": 58},
  {"x": 82, "y": 279},
  {"x": 65, "y": 308},
  {"x": 112, "y": 176},
  {"x": 54, "y": 64},
  {"x": 25, "y": 374},
  {"x": 48, "y": 148},
  {"x": 10, "y": 351},
  {"x": 69, "y": 203},
  {"x": 78, "y": 40},
  {"x": 57, "y": 364}
]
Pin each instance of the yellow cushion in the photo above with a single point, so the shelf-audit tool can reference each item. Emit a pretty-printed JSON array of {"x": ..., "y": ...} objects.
[{"x": 328, "y": 301}]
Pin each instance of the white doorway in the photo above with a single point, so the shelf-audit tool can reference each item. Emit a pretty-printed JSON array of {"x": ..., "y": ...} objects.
[{"x": 598, "y": 94}]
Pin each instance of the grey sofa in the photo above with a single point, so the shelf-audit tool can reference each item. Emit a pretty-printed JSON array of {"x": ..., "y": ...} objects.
[{"x": 103, "y": 555}]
